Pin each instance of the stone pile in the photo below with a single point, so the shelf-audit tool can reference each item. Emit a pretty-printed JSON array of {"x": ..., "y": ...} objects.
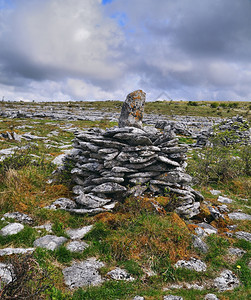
[
  {"x": 235, "y": 130},
  {"x": 113, "y": 164}
]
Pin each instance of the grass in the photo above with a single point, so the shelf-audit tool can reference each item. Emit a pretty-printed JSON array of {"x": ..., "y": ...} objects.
[{"x": 134, "y": 237}]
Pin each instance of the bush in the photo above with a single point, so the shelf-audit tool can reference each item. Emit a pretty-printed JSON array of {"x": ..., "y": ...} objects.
[
  {"x": 219, "y": 164},
  {"x": 214, "y": 105},
  {"x": 193, "y": 103}
]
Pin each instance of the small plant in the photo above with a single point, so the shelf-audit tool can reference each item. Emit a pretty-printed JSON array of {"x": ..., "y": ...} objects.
[{"x": 27, "y": 279}]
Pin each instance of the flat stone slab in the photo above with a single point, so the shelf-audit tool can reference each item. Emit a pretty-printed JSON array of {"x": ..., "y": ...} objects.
[
  {"x": 50, "y": 242},
  {"x": 20, "y": 217},
  {"x": 224, "y": 199},
  {"x": 192, "y": 264},
  {"x": 172, "y": 297},
  {"x": 12, "y": 228},
  {"x": 239, "y": 216},
  {"x": 62, "y": 203},
  {"x": 91, "y": 201},
  {"x": 83, "y": 274},
  {"x": 226, "y": 281},
  {"x": 10, "y": 251},
  {"x": 77, "y": 246},
  {"x": 236, "y": 251},
  {"x": 120, "y": 274},
  {"x": 78, "y": 233},
  {"x": 215, "y": 192},
  {"x": 243, "y": 235}
]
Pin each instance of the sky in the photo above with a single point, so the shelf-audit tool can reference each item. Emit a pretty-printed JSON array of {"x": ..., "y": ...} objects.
[{"x": 61, "y": 50}]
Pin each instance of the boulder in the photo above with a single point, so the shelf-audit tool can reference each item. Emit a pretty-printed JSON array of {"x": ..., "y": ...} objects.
[{"x": 226, "y": 281}]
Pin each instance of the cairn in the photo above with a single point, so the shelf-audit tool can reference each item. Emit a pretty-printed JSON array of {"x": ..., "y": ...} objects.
[{"x": 112, "y": 164}]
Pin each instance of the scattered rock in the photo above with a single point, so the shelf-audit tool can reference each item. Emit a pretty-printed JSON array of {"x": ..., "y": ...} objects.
[
  {"x": 20, "y": 217},
  {"x": 239, "y": 216},
  {"x": 209, "y": 229},
  {"x": 243, "y": 235},
  {"x": 49, "y": 242},
  {"x": 62, "y": 203},
  {"x": 215, "y": 192},
  {"x": 224, "y": 200},
  {"x": 236, "y": 251},
  {"x": 77, "y": 246},
  {"x": 12, "y": 228},
  {"x": 226, "y": 281},
  {"x": 192, "y": 264},
  {"x": 10, "y": 251},
  {"x": 119, "y": 274},
  {"x": 211, "y": 297},
  {"x": 78, "y": 233},
  {"x": 199, "y": 244},
  {"x": 138, "y": 298},
  {"x": 172, "y": 297},
  {"x": 5, "y": 273},
  {"x": 83, "y": 274}
]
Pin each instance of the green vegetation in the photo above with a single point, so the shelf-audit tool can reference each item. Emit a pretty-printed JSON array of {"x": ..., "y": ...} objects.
[{"x": 134, "y": 237}]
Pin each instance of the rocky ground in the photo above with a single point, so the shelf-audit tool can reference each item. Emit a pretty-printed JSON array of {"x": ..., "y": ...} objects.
[{"x": 136, "y": 249}]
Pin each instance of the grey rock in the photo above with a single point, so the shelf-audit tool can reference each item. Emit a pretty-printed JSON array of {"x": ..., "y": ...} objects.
[
  {"x": 133, "y": 139},
  {"x": 12, "y": 228},
  {"x": 200, "y": 232},
  {"x": 226, "y": 281},
  {"x": 49, "y": 242},
  {"x": 168, "y": 161},
  {"x": 137, "y": 190},
  {"x": 133, "y": 109},
  {"x": 236, "y": 251},
  {"x": 78, "y": 233},
  {"x": 239, "y": 216},
  {"x": 77, "y": 246},
  {"x": 188, "y": 211},
  {"x": 209, "y": 229},
  {"x": 199, "y": 244},
  {"x": 101, "y": 180},
  {"x": 215, "y": 192},
  {"x": 83, "y": 274},
  {"x": 62, "y": 203},
  {"x": 5, "y": 273},
  {"x": 47, "y": 227},
  {"x": 215, "y": 213},
  {"x": 119, "y": 274},
  {"x": 192, "y": 264},
  {"x": 91, "y": 201},
  {"x": 172, "y": 297},
  {"x": 175, "y": 177},
  {"x": 211, "y": 297},
  {"x": 224, "y": 200},
  {"x": 10, "y": 251},
  {"x": 20, "y": 217},
  {"x": 109, "y": 187},
  {"x": 223, "y": 208},
  {"x": 138, "y": 298},
  {"x": 243, "y": 235}
]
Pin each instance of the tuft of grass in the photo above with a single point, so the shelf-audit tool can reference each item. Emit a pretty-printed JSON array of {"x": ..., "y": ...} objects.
[{"x": 24, "y": 238}]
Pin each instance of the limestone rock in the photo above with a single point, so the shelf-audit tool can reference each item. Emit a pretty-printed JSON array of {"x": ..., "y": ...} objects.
[
  {"x": 239, "y": 216},
  {"x": 243, "y": 235},
  {"x": 133, "y": 109},
  {"x": 119, "y": 274},
  {"x": 77, "y": 246},
  {"x": 226, "y": 281},
  {"x": 62, "y": 203},
  {"x": 91, "y": 201},
  {"x": 79, "y": 233},
  {"x": 49, "y": 242},
  {"x": 172, "y": 297},
  {"x": 224, "y": 200},
  {"x": 199, "y": 244},
  {"x": 20, "y": 217},
  {"x": 192, "y": 264},
  {"x": 10, "y": 251},
  {"x": 83, "y": 274},
  {"x": 109, "y": 187},
  {"x": 5, "y": 273},
  {"x": 12, "y": 228},
  {"x": 236, "y": 251},
  {"x": 211, "y": 297}
]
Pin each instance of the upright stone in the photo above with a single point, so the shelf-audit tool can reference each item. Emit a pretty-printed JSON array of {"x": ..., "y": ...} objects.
[{"x": 133, "y": 110}]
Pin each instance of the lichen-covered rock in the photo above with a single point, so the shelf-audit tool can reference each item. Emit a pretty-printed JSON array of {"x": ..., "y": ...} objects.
[
  {"x": 77, "y": 246},
  {"x": 226, "y": 281},
  {"x": 83, "y": 274},
  {"x": 192, "y": 264},
  {"x": 20, "y": 217},
  {"x": 50, "y": 242},
  {"x": 11, "y": 229},
  {"x": 119, "y": 274},
  {"x": 133, "y": 109},
  {"x": 78, "y": 233}
]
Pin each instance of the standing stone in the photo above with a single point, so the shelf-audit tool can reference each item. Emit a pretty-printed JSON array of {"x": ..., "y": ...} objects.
[{"x": 132, "y": 110}]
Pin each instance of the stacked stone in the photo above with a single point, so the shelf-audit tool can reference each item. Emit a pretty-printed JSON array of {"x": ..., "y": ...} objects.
[
  {"x": 129, "y": 160},
  {"x": 113, "y": 164}
]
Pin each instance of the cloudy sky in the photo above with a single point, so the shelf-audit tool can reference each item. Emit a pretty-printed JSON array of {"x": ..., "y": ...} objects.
[{"x": 104, "y": 49}]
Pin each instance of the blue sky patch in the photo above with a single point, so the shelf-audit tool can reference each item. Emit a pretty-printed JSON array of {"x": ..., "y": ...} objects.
[
  {"x": 120, "y": 17},
  {"x": 104, "y": 2}
]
